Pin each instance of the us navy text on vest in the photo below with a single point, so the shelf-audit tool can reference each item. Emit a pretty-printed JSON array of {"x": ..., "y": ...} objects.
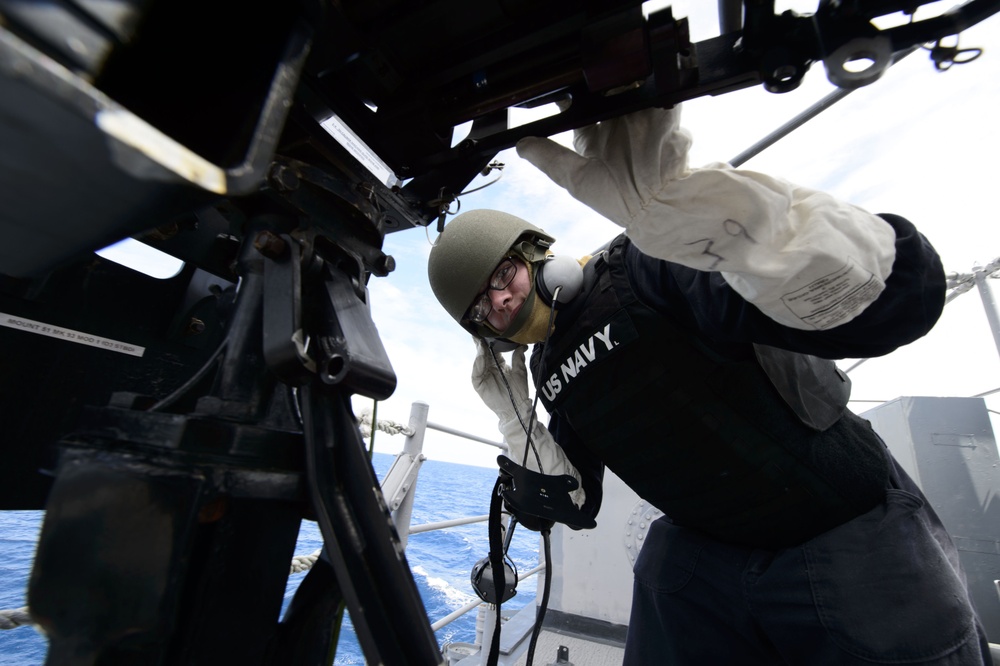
[{"x": 597, "y": 346}]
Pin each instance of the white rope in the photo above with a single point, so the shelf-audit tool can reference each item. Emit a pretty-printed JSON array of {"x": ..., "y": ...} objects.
[
  {"x": 389, "y": 427},
  {"x": 15, "y": 617},
  {"x": 302, "y": 563}
]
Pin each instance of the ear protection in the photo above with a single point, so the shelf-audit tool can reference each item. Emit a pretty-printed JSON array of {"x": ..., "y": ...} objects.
[{"x": 559, "y": 272}]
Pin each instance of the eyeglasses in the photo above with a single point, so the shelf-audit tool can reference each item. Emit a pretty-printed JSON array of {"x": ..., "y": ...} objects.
[{"x": 482, "y": 306}]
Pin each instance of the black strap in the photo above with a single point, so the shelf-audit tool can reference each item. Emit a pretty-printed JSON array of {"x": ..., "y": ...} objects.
[{"x": 496, "y": 563}]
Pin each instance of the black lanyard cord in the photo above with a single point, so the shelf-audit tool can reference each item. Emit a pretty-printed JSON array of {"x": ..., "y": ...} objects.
[
  {"x": 496, "y": 557},
  {"x": 546, "y": 588},
  {"x": 496, "y": 564}
]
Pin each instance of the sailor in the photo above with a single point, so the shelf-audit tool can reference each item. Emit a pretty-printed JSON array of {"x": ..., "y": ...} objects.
[{"x": 690, "y": 356}]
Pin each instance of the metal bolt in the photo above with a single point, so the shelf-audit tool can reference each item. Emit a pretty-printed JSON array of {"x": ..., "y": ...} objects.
[
  {"x": 270, "y": 245},
  {"x": 195, "y": 326},
  {"x": 385, "y": 265}
]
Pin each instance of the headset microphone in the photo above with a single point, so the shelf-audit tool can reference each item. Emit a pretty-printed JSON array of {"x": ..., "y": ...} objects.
[{"x": 559, "y": 272}]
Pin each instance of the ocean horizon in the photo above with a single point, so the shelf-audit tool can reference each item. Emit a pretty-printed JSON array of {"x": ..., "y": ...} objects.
[{"x": 440, "y": 561}]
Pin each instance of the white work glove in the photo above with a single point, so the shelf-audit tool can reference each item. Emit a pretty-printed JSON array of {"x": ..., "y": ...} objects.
[
  {"x": 486, "y": 379},
  {"x": 803, "y": 258}
]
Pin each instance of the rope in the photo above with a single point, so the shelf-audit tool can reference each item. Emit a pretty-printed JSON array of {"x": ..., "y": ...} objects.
[
  {"x": 15, "y": 617},
  {"x": 388, "y": 427},
  {"x": 302, "y": 563}
]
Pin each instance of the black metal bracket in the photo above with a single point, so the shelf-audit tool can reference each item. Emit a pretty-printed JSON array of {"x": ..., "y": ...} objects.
[
  {"x": 324, "y": 330},
  {"x": 539, "y": 499}
]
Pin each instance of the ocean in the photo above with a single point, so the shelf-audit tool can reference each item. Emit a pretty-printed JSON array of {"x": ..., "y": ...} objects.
[{"x": 441, "y": 561}]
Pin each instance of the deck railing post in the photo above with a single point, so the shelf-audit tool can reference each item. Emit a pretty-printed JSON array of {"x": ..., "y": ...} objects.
[{"x": 400, "y": 481}]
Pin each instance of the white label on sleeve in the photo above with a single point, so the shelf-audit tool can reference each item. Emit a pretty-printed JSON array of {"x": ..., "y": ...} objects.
[
  {"x": 836, "y": 297},
  {"x": 68, "y": 334}
]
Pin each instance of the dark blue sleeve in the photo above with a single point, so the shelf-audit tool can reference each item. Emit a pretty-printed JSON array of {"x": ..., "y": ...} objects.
[{"x": 705, "y": 304}]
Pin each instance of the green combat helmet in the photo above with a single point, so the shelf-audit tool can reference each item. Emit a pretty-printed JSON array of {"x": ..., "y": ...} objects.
[{"x": 467, "y": 252}]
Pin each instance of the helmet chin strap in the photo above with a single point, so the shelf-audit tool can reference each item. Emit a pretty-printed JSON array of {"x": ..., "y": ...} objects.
[
  {"x": 524, "y": 314},
  {"x": 535, "y": 324}
]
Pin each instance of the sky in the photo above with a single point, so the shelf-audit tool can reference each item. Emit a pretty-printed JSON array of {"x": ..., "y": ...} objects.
[{"x": 919, "y": 143}]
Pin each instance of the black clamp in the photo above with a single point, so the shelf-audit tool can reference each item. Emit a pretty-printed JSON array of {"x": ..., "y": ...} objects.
[{"x": 539, "y": 500}]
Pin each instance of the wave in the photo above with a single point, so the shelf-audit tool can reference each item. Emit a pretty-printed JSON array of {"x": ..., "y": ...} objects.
[{"x": 452, "y": 594}]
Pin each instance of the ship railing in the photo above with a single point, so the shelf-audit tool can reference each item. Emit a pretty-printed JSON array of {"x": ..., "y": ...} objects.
[
  {"x": 400, "y": 481},
  {"x": 472, "y": 605}
]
